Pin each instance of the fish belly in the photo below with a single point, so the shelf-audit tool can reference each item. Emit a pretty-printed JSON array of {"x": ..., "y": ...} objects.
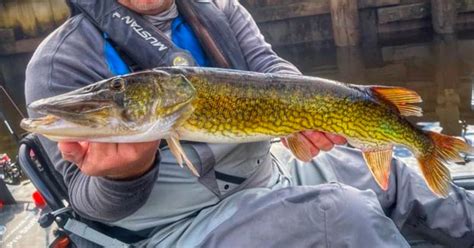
[{"x": 209, "y": 137}]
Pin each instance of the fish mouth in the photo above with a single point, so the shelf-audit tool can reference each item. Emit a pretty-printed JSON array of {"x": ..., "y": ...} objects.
[
  {"x": 58, "y": 129},
  {"x": 31, "y": 124},
  {"x": 74, "y": 105}
]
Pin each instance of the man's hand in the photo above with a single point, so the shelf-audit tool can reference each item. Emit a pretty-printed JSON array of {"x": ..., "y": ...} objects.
[
  {"x": 319, "y": 141},
  {"x": 113, "y": 160}
]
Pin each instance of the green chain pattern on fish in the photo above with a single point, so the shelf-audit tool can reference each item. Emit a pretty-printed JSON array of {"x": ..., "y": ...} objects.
[
  {"x": 216, "y": 105},
  {"x": 237, "y": 109}
]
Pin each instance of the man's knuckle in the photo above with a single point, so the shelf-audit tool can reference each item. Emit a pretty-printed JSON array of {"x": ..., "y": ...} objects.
[
  {"x": 326, "y": 145},
  {"x": 315, "y": 152},
  {"x": 88, "y": 171},
  {"x": 134, "y": 155}
]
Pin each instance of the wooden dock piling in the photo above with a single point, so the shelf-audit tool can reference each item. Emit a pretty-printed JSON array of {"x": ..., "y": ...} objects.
[
  {"x": 345, "y": 22},
  {"x": 443, "y": 15}
]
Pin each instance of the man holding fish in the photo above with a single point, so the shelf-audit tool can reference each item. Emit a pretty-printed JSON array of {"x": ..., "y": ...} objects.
[{"x": 235, "y": 194}]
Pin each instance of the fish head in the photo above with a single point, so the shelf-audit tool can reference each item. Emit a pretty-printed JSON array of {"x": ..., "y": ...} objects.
[{"x": 121, "y": 104}]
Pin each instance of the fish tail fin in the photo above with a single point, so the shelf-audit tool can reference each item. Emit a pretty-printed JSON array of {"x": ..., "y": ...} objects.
[
  {"x": 444, "y": 148},
  {"x": 399, "y": 98}
]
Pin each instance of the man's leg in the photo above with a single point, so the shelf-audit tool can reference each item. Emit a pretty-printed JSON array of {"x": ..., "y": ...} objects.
[
  {"x": 408, "y": 201},
  {"x": 329, "y": 215}
]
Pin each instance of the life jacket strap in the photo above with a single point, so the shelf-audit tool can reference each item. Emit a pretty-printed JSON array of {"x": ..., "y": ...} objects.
[
  {"x": 213, "y": 29},
  {"x": 143, "y": 43}
]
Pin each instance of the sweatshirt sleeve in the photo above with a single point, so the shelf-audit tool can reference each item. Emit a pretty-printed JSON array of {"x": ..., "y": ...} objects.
[
  {"x": 70, "y": 58},
  {"x": 258, "y": 53}
]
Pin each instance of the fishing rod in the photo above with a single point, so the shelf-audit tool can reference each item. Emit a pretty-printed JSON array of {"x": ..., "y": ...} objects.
[
  {"x": 10, "y": 129},
  {"x": 4, "y": 119},
  {"x": 5, "y": 92}
]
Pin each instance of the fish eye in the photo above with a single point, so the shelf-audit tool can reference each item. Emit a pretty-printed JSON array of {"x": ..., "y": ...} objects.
[{"x": 118, "y": 84}]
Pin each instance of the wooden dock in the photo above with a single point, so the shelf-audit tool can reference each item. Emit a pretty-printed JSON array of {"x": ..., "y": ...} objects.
[
  {"x": 24, "y": 23},
  {"x": 354, "y": 22}
]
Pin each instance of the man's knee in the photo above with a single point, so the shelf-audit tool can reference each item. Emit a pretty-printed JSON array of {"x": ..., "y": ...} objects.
[
  {"x": 357, "y": 215},
  {"x": 349, "y": 202}
]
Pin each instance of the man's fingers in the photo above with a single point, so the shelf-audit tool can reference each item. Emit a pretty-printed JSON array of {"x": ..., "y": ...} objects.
[
  {"x": 319, "y": 140},
  {"x": 73, "y": 151},
  {"x": 100, "y": 150},
  {"x": 69, "y": 147},
  {"x": 313, "y": 149},
  {"x": 284, "y": 142},
  {"x": 101, "y": 156},
  {"x": 336, "y": 139},
  {"x": 117, "y": 160},
  {"x": 135, "y": 151}
]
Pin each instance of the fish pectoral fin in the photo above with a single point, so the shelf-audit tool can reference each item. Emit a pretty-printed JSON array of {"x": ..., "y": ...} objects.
[
  {"x": 299, "y": 146},
  {"x": 177, "y": 150},
  {"x": 379, "y": 162},
  {"x": 186, "y": 112}
]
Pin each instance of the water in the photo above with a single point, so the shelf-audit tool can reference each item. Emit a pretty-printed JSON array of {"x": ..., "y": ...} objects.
[
  {"x": 9, "y": 125},
  {"x": 24, "y": 20},
  {"x": 439, "y": 68}
]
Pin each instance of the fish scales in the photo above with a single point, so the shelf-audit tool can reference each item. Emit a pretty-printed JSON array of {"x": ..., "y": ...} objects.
[{"x": 255, "y": 106}]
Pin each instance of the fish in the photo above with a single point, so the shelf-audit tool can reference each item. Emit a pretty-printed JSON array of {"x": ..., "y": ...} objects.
[{"x": 230, "y": 106}]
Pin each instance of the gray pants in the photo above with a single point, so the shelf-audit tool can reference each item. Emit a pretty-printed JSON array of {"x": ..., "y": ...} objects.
[
  {"x": 415, "y": 210},
  {"x": 330, "y": 214},
  {"x": 326, "y": 214}
]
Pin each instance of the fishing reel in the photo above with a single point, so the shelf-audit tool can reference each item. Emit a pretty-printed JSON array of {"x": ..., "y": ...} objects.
[{"x": 11, "y": 171}]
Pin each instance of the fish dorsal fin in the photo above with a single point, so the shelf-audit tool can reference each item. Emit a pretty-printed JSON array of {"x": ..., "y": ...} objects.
[
  {"x": 299, "y": 146},
  {"x": 178, "y": 152},
  {"x": 400, "y": 98},
  {"x": 379, "y": 162}
]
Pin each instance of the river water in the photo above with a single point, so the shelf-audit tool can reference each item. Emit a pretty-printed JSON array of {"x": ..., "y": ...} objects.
[{"x": 439, "y": 68}]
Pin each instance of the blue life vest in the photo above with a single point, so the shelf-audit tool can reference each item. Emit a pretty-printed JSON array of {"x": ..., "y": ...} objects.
[{"x": 182, "y": 36}]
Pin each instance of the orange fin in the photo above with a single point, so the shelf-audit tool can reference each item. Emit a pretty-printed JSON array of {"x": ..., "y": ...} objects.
[
  {"x": 299, "y": 146},
  {"x": 178, "y": 152},
  {"x": 400, "y": 98},
  {"x": 379, "y": 162},
  {"x": 433, "y": 164}
]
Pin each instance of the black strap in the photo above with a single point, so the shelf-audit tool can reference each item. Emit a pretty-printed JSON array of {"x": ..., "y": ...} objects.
[
  {"x": 122, "y": 234},
  {"x": 72, "y": 10},
  {"x": 126, "y": 59},
  {"x": 129, "y": 31},
  {"x": 137, "y": 38},
  {"x": 229, "y": 178},
  {"x": 213, "y": 29}
]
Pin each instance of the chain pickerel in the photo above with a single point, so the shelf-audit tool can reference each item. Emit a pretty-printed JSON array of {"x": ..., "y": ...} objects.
[{"x": 229, "y": 106}]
